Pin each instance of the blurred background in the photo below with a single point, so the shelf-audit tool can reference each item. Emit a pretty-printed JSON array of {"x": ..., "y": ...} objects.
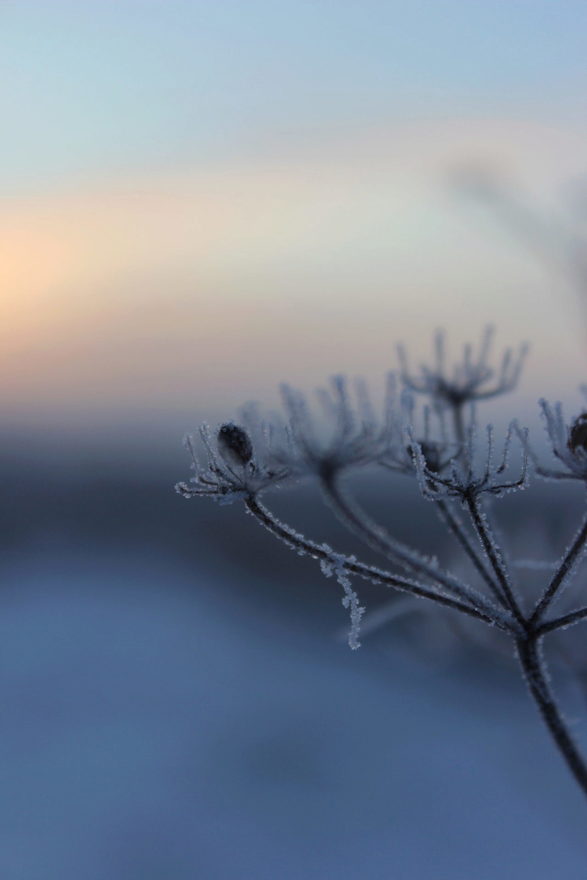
[{"x": 200, "y": 200}]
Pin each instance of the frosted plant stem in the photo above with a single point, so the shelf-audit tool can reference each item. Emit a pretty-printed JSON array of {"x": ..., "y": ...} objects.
[
  {"x": 317, "y": 551},
  {"x": 357, "y": 521},
  {"x": 537, "y": 681},
  {"x": 494, "y": 557},
  {"x": 562, "y": 622},
  {"x": 456, "y": 528},
  {"x": 570, "y": 558}
]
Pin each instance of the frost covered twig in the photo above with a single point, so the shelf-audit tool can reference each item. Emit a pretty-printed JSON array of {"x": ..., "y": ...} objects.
[
  {"x": 456, "y": 528},
  {"x": 564, "y": 571},
  {"x": 494, "y": 555},
  {"x": 562, "y": 622},
  {"x": 304, "y": 547},
  {"x": 358, "y": 522}
]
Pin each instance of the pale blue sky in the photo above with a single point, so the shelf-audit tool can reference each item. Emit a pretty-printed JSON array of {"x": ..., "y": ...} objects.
[{"x": 93, "y": 88}]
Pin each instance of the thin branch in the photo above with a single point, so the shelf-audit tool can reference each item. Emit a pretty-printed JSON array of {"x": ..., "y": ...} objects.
[
  {"x": 456, "y": 528},
  {"x": 357, "y": 521},
  {"x": 562, "y": 622},
  {"x": 494, "y": 557},
  {"x": 537, "y": 680},
  {"x": 376, "y": 575},
  {"x": 568, "y": 563}
]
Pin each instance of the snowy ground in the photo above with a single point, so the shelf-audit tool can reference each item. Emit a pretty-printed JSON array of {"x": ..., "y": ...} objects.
[{"x": 156, "y": 728}]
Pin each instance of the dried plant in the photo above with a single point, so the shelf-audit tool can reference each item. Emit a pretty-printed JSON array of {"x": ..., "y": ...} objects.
[{"x": 454, "y": 464}]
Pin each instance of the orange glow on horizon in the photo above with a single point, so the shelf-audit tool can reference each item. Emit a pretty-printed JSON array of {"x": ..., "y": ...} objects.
[{"x": 137, "y": 288}]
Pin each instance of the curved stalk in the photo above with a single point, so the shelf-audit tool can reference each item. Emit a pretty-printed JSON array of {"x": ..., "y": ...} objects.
[
  {"x": 569, "y": 560},
  {"x": 373, "y": 535},
  {"x": 537, "y": 681},
  {"x": 495, "y": 559},
  {"x": 371, "y": 573},
  {"x": 457, "y": 529},
  {"x": 562, "y": 622}
]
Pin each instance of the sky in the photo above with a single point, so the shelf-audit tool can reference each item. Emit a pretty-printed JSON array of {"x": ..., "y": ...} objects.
[{"x": 200, "y": 200}]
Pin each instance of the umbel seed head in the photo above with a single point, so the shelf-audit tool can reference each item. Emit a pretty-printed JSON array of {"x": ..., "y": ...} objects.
[
  {"x": 578, "y": 434},
  {"x": 234, "y": 445}
]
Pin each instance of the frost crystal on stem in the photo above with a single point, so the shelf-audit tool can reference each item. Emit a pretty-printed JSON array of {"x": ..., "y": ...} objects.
[{"x": 335, "y": 565}]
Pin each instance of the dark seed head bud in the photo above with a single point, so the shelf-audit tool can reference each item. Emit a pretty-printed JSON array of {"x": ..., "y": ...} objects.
[
  {"x": 234, "y": 445},
  {"x": 578, "y": 434}
]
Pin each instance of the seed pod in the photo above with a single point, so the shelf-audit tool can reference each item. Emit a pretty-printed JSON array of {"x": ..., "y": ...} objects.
[
  {"x": 578, "y": 434},
  {"x": 234, "y": 445}
]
